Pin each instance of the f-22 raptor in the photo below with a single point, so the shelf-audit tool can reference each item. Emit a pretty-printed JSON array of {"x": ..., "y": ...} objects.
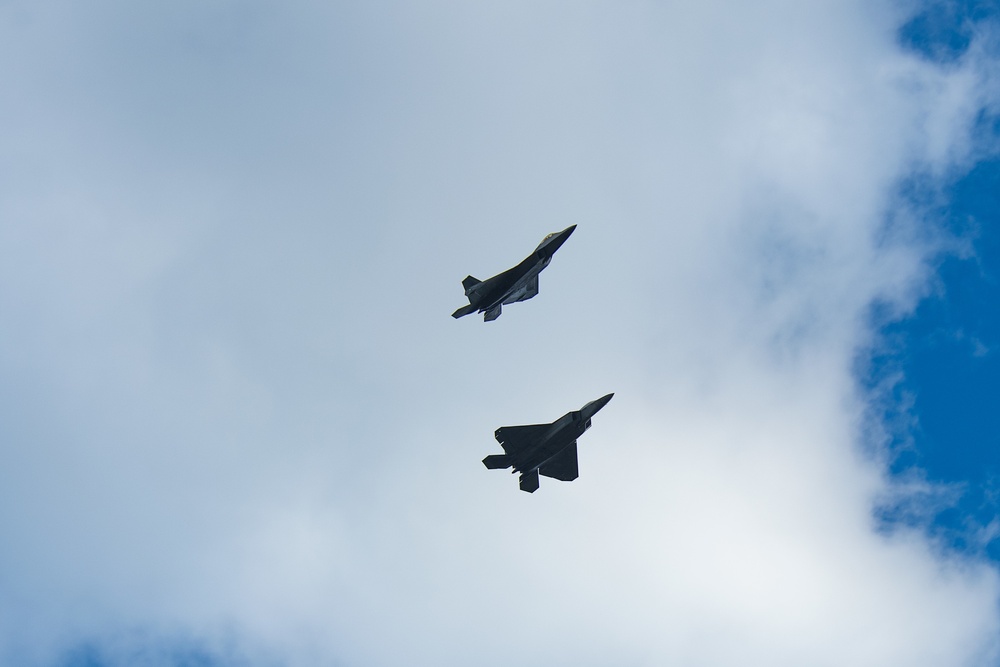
[
  {"x": 517, "y": 284},
  {"x": 547, "y": 449}
]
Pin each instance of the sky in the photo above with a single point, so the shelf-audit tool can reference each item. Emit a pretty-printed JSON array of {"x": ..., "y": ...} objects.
[
  {"x": 238, "y": 426},
  {"x": 941, "y": 359}
]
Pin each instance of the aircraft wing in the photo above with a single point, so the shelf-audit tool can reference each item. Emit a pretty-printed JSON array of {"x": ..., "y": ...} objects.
[
  {"x": 563, "y": 466},
  {"x": 531, "y": 289},
  {"x": 515, "y": 438},
  {"x": 525, "y": 292}
]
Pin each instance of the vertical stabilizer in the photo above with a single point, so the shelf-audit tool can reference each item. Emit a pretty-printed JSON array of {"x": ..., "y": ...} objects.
[
  {"x": 469, "y": 283},
  {"x": 529, "y": 481}
]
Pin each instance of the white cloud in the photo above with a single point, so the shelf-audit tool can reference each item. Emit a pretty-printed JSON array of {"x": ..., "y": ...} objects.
[{"x": 235, "y": 402}]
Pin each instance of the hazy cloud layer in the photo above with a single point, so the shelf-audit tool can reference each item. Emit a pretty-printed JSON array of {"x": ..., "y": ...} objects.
[{"x": 236, "y": 414}]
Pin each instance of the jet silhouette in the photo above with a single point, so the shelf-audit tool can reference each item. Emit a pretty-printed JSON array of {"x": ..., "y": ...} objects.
[
  {"x": 517, "y": 284},
  {"x": 547, "y": 449}
]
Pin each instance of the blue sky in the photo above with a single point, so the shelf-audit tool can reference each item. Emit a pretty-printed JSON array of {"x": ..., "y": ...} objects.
[
  {"x": 945, "y": 351},
  {"x": 239, "y": 426},
  {"x": 948, "y": 425}
]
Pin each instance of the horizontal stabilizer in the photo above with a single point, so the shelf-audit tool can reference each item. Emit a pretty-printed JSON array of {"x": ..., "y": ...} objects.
[
  {"x": 492, "y": 314},
  {"x": 463, "y": 311},
  {"x": 529, "y": 481},
  {"x": 470, "y": 282},
  {"x": 496, "y": 461}
]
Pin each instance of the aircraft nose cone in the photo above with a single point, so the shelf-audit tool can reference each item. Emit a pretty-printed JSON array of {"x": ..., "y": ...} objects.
[
  {"x": 557, "y": 240},
  {"x": 602, "y": 401},
  {"x": 594, "y": 406}
]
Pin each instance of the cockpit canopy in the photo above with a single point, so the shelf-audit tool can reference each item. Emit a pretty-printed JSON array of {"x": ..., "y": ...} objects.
[
  {"x": 546, "y": 240},
  {"x": 555, "y": 239}
]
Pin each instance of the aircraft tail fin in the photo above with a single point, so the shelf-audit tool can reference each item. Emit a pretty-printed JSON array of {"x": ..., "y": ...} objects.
[
  {"x": 463, "y": 311},
  {"x": 469, "y": 283},
  {"x": 492, "y": 314},
  {"x": 529, "y": 481},
  {"x": 496, "y": 461}
]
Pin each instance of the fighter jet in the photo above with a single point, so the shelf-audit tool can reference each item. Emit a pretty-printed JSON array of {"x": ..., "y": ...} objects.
[
  {"x": 513, "y": 285},
  {"x": 547, "y": 449}
]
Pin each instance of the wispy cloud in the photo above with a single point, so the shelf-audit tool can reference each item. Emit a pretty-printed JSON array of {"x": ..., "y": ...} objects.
[{"x": 235, "y": 405}]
